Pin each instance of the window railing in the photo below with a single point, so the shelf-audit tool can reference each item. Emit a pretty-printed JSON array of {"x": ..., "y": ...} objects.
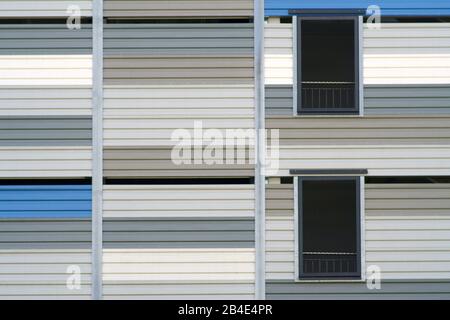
[
  {"x": 329, "y": 263},
  {"x": 323, "y": 96}
]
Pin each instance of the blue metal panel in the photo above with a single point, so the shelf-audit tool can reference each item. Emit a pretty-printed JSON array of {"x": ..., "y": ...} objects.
[
  {"x": 45, "y": 201},
  {"x": 388, "y": 7}
]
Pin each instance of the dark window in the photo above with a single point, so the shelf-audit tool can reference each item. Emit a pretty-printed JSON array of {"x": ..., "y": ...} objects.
[
  {"x": 329, "y": 227},
  {"x": 327, "y": 66}
]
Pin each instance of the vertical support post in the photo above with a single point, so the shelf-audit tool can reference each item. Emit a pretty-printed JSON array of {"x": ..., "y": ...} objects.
[
  {"x": 97, "y": 148},
  {"x": 260, "y": 151},
  {"x": 361, "y": 64}
]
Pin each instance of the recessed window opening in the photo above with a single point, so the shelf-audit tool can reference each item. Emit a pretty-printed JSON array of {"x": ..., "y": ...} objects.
[
  {"x": 327, "y": 66},
  {"x": 329, "y": 224}
]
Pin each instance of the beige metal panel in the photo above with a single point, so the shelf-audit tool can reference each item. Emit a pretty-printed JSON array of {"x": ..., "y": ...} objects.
[
  {"x": 41, "y": 273},
  {"x": 385, "y": 145},
  {"x": 279, "y": 231},
  {"x": 168, "y": 201},
  {"x": 44, "y": 8},
  {"x": 45, "y": 100},
  {"x": 159, "y": 162},
  {"x": 178, "y": 8},
  {"x": 45, "y": 162},
  {"x": 407, "y": 231}
]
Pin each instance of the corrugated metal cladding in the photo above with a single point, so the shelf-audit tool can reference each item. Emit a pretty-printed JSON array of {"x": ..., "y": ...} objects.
[
  {"x": 45, "y": 97},
  {"x": 163, "y": 77},
  {"x": 187, "y": 240},
  {"x": 404, "y": 130},
  {"x": 406, "y": 235},
  {"x": 179, "y": 242},
  {"x": 45, "y": 238},
  {"x": 44, "y": 8},
  {"x": 388, "y": 7},
  {"x": 178, "y": 8}
]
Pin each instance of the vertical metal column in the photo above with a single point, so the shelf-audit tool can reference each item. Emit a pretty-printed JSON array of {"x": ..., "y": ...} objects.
[
  {"x": 260, "y": 151},
  {"x": 97, "y": 148}
]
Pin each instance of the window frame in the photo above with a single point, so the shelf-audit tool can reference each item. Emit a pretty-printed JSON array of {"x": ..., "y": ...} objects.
[
  {"x": 358, "y": 110},
  {"x": 360, "y": 236}
]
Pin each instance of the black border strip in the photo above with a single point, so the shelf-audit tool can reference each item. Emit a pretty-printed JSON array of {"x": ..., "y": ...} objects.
[
  {"x": 179, "y": 181},
  {"x": 328, "y": 171}
]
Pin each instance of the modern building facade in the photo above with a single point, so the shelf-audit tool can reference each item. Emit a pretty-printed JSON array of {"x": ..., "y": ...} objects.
[{"x": 126, "y": 172}]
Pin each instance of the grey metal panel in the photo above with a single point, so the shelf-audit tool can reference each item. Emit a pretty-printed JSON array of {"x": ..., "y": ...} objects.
[
  {"x": 156, "y": 162},
  {"x": 45, "y": 131},
  {"x": 361, "y": 130},
  {"x": 179, "y": 39},
  {"x": 177, "y": 8},
  {"x": 178, "y": 233},
  {"x": 35, "y": 38},
  {"x": 378, "y": 99},
  {"x": 413, "y": 289},
  {"x": 407, "y": 99},
  {"x": 45, "y": 234},
  {"x": 279, "y": 99}
]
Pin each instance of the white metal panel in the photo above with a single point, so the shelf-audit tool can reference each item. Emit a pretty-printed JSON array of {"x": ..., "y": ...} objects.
[
  {"x": 39, "y": 273},
  {"x": 148, "y": 115},
  {"x": 43, "y": 8},
  {"x": 399, "y": 160},
  {"x": 45, "y": 100},
  {"x": 408, "y": 230},
  {"x": 42, "y": 70},
  {"x": 45, "y": 162},
  {"x": 177, "y": 201}
]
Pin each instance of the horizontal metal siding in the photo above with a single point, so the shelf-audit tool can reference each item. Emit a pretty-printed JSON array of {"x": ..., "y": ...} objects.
[
  {"x": 45, "y": 101},
  {"x": 378, "y": 99},
  {"x": 163, "y": 77},
  {"x": 43, "y": 8},
  {"x": 389, "y": 7},
  {"x": 45, "y": 54},
  {"x": 406, "y": 99},
  {"x": 188, "y": 201},
  {"x": 48, "y": 131},
  {"x": 178, "y": 232},
  {"x": 178, "y": 8},
  {"x": 178, "y": 241},
  {"x": 157, "y": 162},
  {"x": 385, "y": 145},
  {"x": 45, "y": 162},
  {"x": 279, "y": 231},
  {"x": 398, "y": 53},
  {"x": 408, "y": 230},
  {"x": 396, "y": 290},
  {"x": 45, "y": 230},
  {"x": 45, "y": 201},
  {"x": 178, "y": 54},
  {"x": 407, "y": 53}
]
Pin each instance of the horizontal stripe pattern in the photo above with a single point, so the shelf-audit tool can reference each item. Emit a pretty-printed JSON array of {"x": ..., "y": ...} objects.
[
  {"x": 45, "y": 131},
  {"x": 378, "y": 99},
  {"x": 398, "y": 290},
  {"x": 45, "y": 201},
  {"x": 44, "y": 8},
  {"x": 178, "y": 8}
]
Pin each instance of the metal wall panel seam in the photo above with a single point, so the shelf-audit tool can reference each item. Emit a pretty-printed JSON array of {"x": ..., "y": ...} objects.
[
  {"x": 260, "y": 292},
  {"x": 97, "y": 148}
]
